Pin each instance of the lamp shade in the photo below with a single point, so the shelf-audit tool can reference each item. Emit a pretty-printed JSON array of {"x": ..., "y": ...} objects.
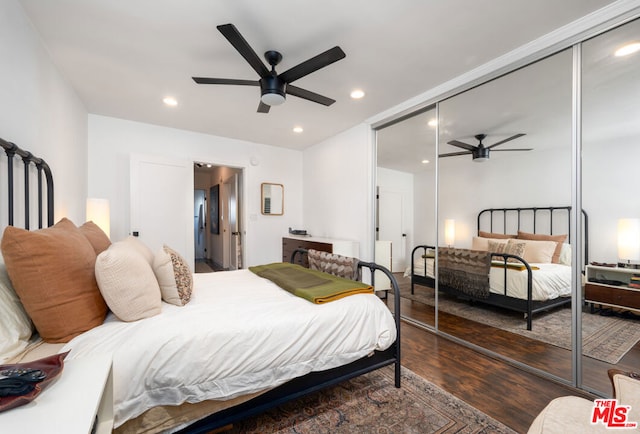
[
  {"x": 449, "y": 232},
  {"x": 629, "y": 239},
  {"x": 98, "y": 212}
]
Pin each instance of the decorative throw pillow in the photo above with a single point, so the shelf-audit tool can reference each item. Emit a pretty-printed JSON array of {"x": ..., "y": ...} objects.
[
  {"x": 15, "y": 325},
  {"x": 174, "y": 276},
  {"x": 140, "y": 247},
  {"x": 559, "y": 239},
  {"x": 511, "y": 247},
  {"x": 52, "y": 271},
  {"x": 127, "y": 282},
  {"x": 480, "y": 243},
  {"x": 565, "y": 254},
  {"x": 337, "y": 265},
  {"x": 96, "y": 236}
]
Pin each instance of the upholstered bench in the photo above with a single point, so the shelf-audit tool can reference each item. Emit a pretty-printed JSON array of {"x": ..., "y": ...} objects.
[{"x": 572, "y": 414}]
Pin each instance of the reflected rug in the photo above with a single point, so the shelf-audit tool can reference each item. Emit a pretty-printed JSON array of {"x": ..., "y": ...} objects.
[
  {"x": 605, "y": 338},
  {"x": 371, "y": 404}
]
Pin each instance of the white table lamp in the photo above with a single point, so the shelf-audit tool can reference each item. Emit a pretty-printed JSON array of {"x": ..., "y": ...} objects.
[
  {"x": 629, "y": 240},
  {"x": 98, "y": 212}
]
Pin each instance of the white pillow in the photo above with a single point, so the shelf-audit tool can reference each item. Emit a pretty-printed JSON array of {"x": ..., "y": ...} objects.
[
  {"x": 16, "y": 327},
  {"x": 174, "y": 276},
  {"x": 127, "y": 282},
  {"x": 565, "y": 254},
  {"x": 538, "y": 252}
]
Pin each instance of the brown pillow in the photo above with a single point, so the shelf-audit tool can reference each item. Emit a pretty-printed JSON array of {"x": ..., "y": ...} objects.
[
  {"x": 559, "y": 239},
  {"x": 96, "y": 236},
  {"x": 52, "y": 271},
  {"x": 484, "y": 234}
]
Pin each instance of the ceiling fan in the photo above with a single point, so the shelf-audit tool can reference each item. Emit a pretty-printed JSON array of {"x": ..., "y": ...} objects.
[
  {"x": 273, "y": 86},
  {"x": 481, "y": 152}
]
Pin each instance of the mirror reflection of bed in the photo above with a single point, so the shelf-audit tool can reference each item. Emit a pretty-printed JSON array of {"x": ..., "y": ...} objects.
[{"x": 535, "y": 100}]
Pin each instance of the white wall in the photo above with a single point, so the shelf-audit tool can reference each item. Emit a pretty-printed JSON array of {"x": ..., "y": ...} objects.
[
  {"x": 41, "y": 113},
  {"x": 338, "y": 188},
  {"x": 111, "y": 141}
]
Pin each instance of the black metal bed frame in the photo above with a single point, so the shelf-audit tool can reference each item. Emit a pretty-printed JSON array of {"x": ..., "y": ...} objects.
[
  {"x": 11, "y": 150},
  {"x": 528, "y": 306},
  {"x": 314, "y": 381}
]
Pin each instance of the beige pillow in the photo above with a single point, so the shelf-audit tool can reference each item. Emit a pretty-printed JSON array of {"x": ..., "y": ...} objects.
[
  {"x": 140, "y": 247},
  {"x": 539, "y": 252},
  {"x": 127, "y": 282},
  {"x": 481, "y": 243},
  {"x": 559, "y": 239},
  {"x": 96, "y": 236},
  {"x": 174, "y": 276},
  {"x": 52, "y": 271}
]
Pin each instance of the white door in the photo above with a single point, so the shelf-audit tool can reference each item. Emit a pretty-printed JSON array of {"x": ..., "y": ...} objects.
[
  {"x": 390, "y": 226},
  {"x": 162, "y": 203},
  {"x": 199, "y": 220}
]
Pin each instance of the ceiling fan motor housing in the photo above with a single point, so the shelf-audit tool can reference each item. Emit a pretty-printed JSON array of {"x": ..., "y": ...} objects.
[
  {"x": 273, "y": 90},
  {"x": 481, "y": 154}
]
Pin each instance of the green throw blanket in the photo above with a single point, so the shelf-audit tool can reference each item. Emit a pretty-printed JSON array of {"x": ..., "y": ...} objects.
[{"x": 312, "y": 285}]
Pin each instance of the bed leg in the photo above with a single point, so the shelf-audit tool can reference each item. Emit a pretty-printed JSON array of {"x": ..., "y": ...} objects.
[{"x": 397, "y": 365}]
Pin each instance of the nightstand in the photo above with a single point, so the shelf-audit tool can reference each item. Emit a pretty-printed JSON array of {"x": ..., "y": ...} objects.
[
  {"x": 80, "y": 400},
  {"x": 620, "y": 296}
]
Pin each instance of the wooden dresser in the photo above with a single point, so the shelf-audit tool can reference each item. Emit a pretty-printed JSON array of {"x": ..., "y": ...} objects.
[{"x": 340, "y": 247}]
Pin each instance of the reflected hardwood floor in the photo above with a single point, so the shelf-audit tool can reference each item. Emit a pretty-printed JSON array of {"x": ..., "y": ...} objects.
[{"x": 505, "y": 392}]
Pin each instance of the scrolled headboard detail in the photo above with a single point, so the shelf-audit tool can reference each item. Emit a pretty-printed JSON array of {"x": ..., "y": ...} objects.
[{"x": 12, "y": 150}]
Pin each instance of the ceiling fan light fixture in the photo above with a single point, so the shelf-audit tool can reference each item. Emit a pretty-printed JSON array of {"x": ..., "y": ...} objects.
[
  {"x": 481, "y": 154},
  {"x": 273, "y": 90},
  {"x": 272, "y": 98}
]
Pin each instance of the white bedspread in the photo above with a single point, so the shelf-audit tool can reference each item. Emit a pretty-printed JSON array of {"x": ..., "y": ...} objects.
[
  {"x": 549, "y": 282},
  {"x": 239, "y": 334}
]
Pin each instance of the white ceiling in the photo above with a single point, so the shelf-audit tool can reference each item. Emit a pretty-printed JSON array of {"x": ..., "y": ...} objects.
[{"x": 124, "y": 56}]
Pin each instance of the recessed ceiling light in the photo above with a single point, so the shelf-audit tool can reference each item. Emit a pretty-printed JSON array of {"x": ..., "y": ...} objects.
[
  {"x": 298, "y": 129},
  {"x": 357, "y": 94},
  {"x": 425, "y": 161},
  {"x": 170, "y": 101},
  {"x": 628, "y": 49},
  {"x": 432, "y": 122}
]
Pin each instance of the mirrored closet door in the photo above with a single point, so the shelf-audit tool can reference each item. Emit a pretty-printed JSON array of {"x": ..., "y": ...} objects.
[
  {"x": 405, "y": 206},
  {"x": 505, "y": 146},
  {"x": 610, "y": 156}
]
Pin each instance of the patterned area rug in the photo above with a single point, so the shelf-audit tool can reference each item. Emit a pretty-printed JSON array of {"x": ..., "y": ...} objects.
[
  {"x": 371, "y": 404},
  {"x": 605, "y": 338}
]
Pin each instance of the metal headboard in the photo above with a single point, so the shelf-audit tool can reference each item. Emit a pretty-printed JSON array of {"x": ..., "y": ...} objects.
[
  {"x": 11, "y": 149},
  {"x": 513, "y": 218}
]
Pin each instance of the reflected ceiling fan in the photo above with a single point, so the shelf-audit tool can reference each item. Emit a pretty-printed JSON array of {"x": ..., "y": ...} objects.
[
  {"x": 481, "y": 152},
  {"x": 273, "y": 86}
]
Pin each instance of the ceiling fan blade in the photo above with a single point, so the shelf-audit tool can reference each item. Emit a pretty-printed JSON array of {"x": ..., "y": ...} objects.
[
  {"x": 308, "y": 66},
  {"x": 263, "y": 108},
  {"x": 455, "y": 154},
  {"x": 506, "y": 140},
  {"x": 207, "y": 80},
  {"x": 242, "y": 46},
  {"x": 504, "y": 150},
  {"x": 462, "y": 145},
  {"x": 308, "y": 95}
]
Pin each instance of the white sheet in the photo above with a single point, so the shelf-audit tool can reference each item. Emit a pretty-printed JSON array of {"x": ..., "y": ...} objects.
[
  {"x": 549, "y": 282},
  {"x": 239, "y": 334}
]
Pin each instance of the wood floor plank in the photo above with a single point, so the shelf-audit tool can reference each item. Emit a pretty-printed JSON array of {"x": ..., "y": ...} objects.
[{"x": 504, "y": 391}]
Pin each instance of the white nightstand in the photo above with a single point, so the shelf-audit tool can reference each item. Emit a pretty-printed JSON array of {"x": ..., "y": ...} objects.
[
  {"x": 619, "y": 296},
  {"x": 81, "y": 397}
]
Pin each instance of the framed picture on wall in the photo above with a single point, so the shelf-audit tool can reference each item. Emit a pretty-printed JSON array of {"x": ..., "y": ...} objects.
[{"x": 214, "y": 208}]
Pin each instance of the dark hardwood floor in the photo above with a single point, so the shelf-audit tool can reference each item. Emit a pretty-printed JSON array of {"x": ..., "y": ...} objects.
[{"x": 506, "y": 392}]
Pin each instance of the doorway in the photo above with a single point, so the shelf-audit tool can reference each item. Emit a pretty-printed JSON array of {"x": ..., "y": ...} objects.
[{"x": 217, "y": 217}]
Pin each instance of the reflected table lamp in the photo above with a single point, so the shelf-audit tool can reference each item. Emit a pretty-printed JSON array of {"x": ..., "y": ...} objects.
[
  {"x": 628, "y": 242},
  {"x": 449, "y": 232}
]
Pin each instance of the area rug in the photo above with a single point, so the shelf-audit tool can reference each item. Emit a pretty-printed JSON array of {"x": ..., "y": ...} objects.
[
  {"x": 605, "y": 338},
  {"x": 372, "y": 404}
]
